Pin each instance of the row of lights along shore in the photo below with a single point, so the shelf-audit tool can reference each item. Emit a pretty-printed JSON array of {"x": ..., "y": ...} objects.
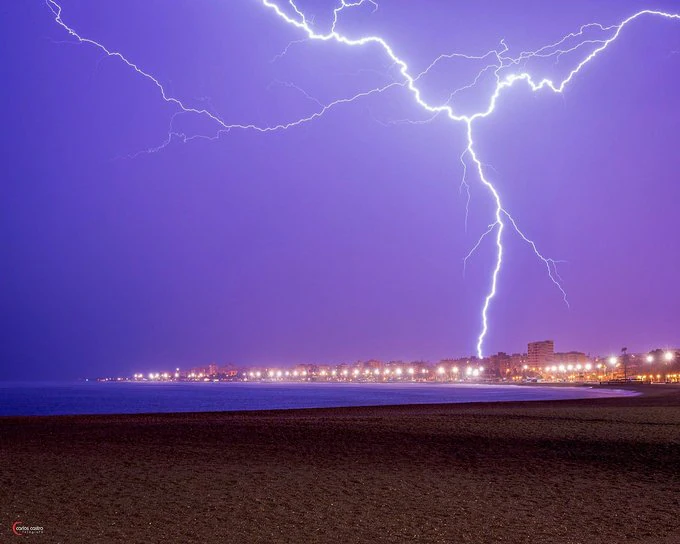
[{"x": 660, "y": 366}]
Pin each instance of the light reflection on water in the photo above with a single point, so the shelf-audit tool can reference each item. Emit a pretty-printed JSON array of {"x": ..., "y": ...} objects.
[{"x": 145, "y": 397}]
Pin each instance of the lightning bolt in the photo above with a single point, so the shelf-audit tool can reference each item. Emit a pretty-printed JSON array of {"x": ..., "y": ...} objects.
[{"x": 503, "y": 69}]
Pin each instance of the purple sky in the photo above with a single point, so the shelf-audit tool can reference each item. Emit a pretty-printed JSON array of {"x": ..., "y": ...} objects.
[{"x": 344, "y": 238}]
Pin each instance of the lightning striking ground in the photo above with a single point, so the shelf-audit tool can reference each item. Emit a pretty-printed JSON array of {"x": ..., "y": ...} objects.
[{"x": 503, "y": 63}]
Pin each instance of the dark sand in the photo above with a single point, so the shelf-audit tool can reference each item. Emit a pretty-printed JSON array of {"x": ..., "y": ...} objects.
[{"x": 589, "y": 471}]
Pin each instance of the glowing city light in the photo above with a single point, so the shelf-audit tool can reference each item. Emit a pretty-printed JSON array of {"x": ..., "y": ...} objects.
[
  {"x": 506, "y": 70},
  {"x": 451, "y": 372},
  {"x": 650, "y": 358}
]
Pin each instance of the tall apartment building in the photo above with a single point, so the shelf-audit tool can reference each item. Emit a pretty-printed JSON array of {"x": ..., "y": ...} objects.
[{"x": 540, "y": 353}]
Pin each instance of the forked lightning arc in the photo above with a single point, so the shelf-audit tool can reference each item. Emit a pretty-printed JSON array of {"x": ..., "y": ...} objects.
[{"x": 504, "y": 67}]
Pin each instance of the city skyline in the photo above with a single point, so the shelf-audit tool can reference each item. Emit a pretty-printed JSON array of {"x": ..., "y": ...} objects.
[
  {"x": 344, "y": 237},
  {"x": 540, "y": 358}
]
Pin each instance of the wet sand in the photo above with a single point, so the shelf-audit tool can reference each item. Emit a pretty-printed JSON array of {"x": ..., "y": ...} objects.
[{"x": 584, "y": 471}]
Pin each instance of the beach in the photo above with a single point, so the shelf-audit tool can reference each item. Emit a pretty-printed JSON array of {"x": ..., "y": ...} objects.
[{"x": 574, "y": 471}]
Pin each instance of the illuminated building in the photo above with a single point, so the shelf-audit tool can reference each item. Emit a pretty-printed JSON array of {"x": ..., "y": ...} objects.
[
  {"x": 540, "y": 353},
  {"x": 571, "y": 357}
]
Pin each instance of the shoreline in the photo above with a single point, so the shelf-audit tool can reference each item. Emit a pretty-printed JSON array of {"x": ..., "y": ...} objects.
[
  {"x": 282, "y": 396},
  {"x": 662, "y": 391},
  {"x": 569, "y": 471}
]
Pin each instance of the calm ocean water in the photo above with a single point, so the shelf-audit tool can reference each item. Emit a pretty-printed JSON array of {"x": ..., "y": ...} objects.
[{"x": 134, "y": 398}]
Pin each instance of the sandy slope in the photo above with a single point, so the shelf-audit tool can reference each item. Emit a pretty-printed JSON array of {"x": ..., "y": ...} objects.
[{"x": 591, "y": 471}]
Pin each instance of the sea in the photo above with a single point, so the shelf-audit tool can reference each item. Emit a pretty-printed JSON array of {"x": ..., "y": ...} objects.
[{"x": 92, "y": 397}]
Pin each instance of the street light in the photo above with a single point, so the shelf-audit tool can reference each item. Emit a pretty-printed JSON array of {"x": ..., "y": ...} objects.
[
  {"x": 668, "y": 356},
  {"x": 650, "y": 358}
]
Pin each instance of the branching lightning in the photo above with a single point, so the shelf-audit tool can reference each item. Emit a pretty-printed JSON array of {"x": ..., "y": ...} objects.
[{"x": 506, "y": 70}]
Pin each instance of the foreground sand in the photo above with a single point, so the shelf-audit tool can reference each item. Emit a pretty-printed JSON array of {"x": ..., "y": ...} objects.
[{"x": 590, "y": 471}]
